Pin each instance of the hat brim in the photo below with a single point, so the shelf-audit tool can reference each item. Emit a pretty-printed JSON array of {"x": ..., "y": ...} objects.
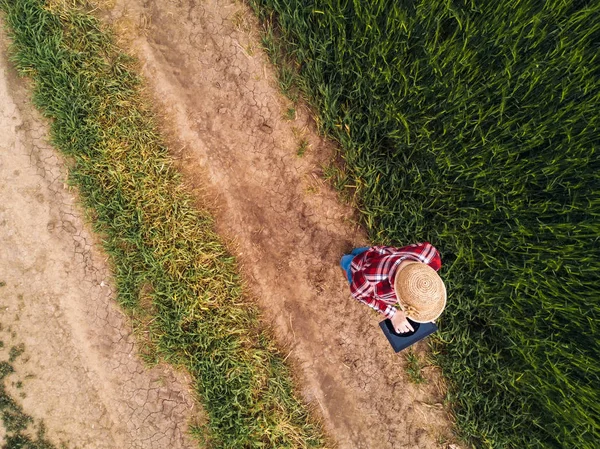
[{"x": 423, "y": 305}]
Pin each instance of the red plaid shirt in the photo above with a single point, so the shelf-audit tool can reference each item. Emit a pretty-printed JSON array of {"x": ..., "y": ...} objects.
[{"x": 373, "y": 273}]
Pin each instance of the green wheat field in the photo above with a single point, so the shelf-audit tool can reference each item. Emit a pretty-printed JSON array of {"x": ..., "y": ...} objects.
[{"x": 475, "y": 125}]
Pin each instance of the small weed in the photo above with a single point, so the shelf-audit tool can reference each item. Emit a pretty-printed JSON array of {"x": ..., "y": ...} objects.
[
  {"x": 413, "y": 367},
  {"x": 290, "y": 114},
  {"x": 5, "y": 369},
  {"x": 15, "y": 352},
  {"x": 2, "y": 283},
  {"x": 312, "y": 190},
  {"x": 302, "y": 147}
]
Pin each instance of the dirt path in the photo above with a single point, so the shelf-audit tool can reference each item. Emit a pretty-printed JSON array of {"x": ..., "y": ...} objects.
[
  {"x": 79, "y": 372},
  {"x": 205, "y": 69}
]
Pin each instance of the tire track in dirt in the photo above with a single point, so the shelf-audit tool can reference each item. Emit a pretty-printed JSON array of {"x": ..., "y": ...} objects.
[
  {"x": 217, "y": 92},
  {"x": 79, "y": 373}
]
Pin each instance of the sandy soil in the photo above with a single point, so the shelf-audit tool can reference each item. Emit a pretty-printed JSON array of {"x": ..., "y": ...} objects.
[
  {"x": 79, "y": 372},
  {"x": 224, "y": 114}
]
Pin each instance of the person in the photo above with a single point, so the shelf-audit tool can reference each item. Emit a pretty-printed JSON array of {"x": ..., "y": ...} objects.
[{"x": 383, "y": 276}]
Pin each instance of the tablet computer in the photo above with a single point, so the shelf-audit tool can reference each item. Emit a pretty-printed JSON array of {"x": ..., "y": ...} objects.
[{"x": 404, "y": 340}]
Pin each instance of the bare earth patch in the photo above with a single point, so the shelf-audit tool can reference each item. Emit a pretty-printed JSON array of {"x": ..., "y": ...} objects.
[
  {"x": 79, "y": 373},
  {"x": 225, "y": 116}
]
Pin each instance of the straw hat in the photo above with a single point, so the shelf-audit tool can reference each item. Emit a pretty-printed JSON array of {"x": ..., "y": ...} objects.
[{"x": 420, "y": 291}]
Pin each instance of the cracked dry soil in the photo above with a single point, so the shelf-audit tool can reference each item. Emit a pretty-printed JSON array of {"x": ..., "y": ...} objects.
[
  {"x": 224, "y": 115},
  {"x": 79, "y": 373}
]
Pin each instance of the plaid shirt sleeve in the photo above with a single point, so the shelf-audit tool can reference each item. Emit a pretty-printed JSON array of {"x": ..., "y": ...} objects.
[
  {"x": 423, "y": 252},
  {"x": 361, "y": 290},
  {"x": 371, "y": 270}
]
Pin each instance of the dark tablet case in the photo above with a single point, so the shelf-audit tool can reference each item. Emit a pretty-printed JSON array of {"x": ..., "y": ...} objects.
[{"x": 403, "y": 341}]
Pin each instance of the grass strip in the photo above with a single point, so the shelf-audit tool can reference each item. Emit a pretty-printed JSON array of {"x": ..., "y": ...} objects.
[
  {"x": 19, "y": 428},
  {"x": 163, "y": 248},
  {"x": 474, "y": 125}
]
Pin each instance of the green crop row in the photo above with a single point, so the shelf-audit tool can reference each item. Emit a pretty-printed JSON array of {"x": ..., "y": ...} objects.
[
  {"x": 168, "y": 261},
  {"x": 475, "y": 125}
]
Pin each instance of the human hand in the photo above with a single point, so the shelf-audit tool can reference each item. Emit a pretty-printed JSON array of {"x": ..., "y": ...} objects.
[{"x": 400, "y": 323}]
